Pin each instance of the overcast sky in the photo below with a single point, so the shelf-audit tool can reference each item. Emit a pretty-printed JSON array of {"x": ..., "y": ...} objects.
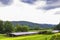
[{"x": 38, "y": 11}]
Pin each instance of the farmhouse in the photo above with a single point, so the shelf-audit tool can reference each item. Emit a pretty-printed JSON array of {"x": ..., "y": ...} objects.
[{"x": 21, "y": 33}]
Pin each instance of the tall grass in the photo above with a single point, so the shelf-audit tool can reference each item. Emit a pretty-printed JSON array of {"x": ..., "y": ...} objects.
[
  {"x": 55, "y": 37},
  {"x": 28, "y": 37}
]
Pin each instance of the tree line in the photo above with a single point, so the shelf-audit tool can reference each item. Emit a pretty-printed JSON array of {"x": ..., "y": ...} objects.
[{"x": 8, "y": 27}]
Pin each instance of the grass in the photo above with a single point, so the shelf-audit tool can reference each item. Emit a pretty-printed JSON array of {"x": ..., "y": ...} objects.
[
  {"x": 33, "y": 37},
  {"x": 28, "y": 37},
  {"x": 55, "y": 37}
]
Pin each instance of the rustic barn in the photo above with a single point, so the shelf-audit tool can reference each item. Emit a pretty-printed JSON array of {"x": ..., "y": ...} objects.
[{"x": 21, "y": 33}]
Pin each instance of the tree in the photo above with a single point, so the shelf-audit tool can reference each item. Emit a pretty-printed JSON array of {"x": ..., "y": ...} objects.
[
  {"x": 18, "y": 28},
  {"x": 57, "y": 27},
  {"x": 21, "y": 28},
  {"x": 25, "y": 28},
  {"x": 8, "y": 27},
  {"x": 1, "y": 26}
]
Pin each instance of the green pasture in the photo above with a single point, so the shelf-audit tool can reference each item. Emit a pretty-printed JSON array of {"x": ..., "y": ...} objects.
[
  {"x": 32, "y": 37},
  {"x": 28, "y": 37}
]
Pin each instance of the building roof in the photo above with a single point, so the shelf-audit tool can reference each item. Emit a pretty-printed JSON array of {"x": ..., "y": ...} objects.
[
  {"x": 55, "y": 31},
  {"x": 23, "y": 33}
]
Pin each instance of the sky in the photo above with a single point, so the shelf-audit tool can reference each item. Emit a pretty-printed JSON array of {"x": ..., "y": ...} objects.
[{"x": 37, "y": 11}]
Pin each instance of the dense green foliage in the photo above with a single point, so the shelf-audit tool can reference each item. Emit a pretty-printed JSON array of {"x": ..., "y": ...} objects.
[
  {"x": 25, "y": 28},
  {"x": 8, "y": 27},
  {"x": 5, "y": 27},
  {"x": 55, "y": 37},
  {"x": 21, "y": 28},
  {"x": 1, "y": 26},
  {"x": 18, "y": 28},
  {"x": 45, "y": 32},
  {"x": 57, "y": 27}
]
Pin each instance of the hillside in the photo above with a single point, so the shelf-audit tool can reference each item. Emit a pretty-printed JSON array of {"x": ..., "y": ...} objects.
[{"x": 31, "y": 24}]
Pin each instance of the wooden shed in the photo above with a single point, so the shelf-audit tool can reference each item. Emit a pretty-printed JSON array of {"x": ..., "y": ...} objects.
[{"x": 21, "y": 33}]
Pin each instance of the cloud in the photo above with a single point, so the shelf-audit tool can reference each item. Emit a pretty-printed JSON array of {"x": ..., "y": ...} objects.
[
  {"x": 57, "y": 13},
  {"x": 5, "y": 2},
  {"x": 51, "y": 1},
  {"x": 44, "y": 4},
  {"x": 52, "y": 4},
  {"x": 48, "y": 7},
  {"x": 29, "y": 1},
  {"x": 20, "y": 11}
]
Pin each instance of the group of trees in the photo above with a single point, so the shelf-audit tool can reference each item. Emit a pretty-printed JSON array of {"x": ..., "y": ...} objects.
[
  {"x": 57, "y": 27},
  {"x": 21, "y": 28},
  {"x": 8, "y": 27},
  {"x": 1, "y": 26}
]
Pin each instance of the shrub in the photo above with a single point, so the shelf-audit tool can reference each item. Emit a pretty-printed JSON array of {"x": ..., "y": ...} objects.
[
  {"x": 55, "y": 37},
  {"x": 45, "y": 32}
]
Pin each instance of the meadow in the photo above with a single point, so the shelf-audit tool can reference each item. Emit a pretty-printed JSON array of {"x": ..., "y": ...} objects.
[{"x": 27, "y": 37}]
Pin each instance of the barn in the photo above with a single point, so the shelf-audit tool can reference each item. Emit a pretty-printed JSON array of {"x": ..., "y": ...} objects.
[{"x": 21, "y": 33}]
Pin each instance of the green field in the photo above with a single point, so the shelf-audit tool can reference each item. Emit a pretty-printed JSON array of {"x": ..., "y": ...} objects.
[
  {"x": 32, "y": 37},
  {"x": 28, "y": 37}
]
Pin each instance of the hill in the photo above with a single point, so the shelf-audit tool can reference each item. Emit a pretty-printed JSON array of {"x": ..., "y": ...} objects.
[{"x": 31, "y": 24}]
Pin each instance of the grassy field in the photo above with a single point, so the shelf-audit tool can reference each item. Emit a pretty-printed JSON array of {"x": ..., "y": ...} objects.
[
  {"x": 32, "y": 37},
  {"x": 28, "y": 37}
]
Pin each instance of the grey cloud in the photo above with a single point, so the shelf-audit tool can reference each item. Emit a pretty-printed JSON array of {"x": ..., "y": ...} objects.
[
  {"x": 57, "y": 13},
  {"x": 28, "y": 1},
  {"x": 51, "y": 4},
  {"x": 5, "y": 2}
]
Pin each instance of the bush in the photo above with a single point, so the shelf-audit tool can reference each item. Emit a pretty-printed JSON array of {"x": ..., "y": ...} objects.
[
  {"x": 49, "y": 32},
  {"x": 42, "y": 32},
  {"x": 45, "y": 32},
  {"x": 55, "y": 37}
]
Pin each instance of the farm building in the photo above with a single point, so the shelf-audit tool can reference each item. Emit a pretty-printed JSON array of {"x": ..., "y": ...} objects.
[
  {"x": 55, "y": 31},
  {"x": 21, "y": 33}
]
